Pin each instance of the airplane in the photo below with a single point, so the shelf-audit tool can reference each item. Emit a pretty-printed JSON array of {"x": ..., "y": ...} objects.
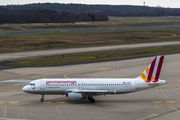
[{"x": 77, "y": 89}]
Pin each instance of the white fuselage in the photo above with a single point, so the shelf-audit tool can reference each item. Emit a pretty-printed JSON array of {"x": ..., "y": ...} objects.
[
  {"x": 76, "y": 88},
  {"x": 97, "y": 86}
]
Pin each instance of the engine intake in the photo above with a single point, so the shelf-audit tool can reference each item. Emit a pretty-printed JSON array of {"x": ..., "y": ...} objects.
[{"x": 75, "y": 97}]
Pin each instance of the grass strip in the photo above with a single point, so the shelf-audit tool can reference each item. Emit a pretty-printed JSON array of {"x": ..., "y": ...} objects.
[
  {"x": 42, "y": 41},
  {"x": 97, "y": 56},
  {"x": 113, "y": 22}
]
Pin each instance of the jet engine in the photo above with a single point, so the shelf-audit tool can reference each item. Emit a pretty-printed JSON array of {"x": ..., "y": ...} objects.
[{"x": 76, "y": 97}]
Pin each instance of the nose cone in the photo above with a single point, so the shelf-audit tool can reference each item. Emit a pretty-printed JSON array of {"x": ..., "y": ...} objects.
[{"x": 25, "y": 89}]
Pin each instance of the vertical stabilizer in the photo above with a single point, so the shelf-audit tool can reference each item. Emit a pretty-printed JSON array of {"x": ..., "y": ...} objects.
[{"x": 152, "y": 72}]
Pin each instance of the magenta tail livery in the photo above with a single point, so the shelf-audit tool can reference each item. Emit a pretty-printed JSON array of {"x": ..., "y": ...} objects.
[
  {"x": 152, "y": 72},
  {"x": 76, "y": 89}
]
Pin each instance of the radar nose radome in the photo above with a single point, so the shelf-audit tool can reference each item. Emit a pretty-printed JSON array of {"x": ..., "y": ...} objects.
[{"x": 24, "y": 88}]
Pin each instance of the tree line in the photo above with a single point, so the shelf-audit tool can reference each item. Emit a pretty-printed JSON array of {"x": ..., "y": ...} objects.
[
  {"x": 46, "y": 16},
  {"x": 109, "y": 10}
]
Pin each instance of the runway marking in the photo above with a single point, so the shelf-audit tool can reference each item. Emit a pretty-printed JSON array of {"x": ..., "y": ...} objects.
[
  {"x": 67, "y": 74},
  {"x": 173, "y": 107},
  {"x": 64, "y": 102},
  {"x": 163, "y": 100},
  {"x": 68, "y": 111},
  {"x": 170, "y": 101},
  {"x": 48, "y": 102},
  {"x": 61, "y": 102},
  {"x": 13, "y": 102},
  {"x": 103, "y": 69},
  {"x": 58, "y": 111},
  {"x": 156, "y": 101},
  {"x": 5, "y": 112}
]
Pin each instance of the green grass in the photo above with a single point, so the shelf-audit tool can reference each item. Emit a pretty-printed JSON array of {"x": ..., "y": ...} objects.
[
  {"x": 4, "y": 27},
  {"x": 110, "y": 55},
  {"x": 113, "y": 22},
  {"x": 42, "y": 41}
]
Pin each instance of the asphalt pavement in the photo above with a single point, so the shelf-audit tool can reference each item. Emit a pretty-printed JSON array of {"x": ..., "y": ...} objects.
[
  {"x": 160, "y": 103},
  {"x": 93, "y": 29},
  {"x": 27, "y": 55}
]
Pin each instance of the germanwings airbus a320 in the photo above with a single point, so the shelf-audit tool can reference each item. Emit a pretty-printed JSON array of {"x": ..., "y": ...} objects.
[{"x": 76, "y": 89}]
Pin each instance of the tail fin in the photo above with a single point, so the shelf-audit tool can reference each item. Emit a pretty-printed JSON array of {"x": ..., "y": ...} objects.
[{"x": 152, "y": 72}]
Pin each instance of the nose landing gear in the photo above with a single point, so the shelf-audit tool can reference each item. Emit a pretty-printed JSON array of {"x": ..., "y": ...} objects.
[{"x": 42, "y": 98}]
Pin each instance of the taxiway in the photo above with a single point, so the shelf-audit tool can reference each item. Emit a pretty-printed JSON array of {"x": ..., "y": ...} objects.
[
  {"x": 162, "y": 103},
  {"x": 92, "y": 29},
  {"x": 27, "y": 55}
]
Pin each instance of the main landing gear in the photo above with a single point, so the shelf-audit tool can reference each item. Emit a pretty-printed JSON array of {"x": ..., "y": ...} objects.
[
  {"x": 42, "y": 98},
  {"x": 91, "y": 99}
]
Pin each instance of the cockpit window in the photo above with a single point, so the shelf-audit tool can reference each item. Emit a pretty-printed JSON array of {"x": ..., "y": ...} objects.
[{"x": 31, "y": 84}]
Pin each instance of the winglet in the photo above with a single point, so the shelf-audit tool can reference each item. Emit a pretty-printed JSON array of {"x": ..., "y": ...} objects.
[{"x": 152, "y": 72}]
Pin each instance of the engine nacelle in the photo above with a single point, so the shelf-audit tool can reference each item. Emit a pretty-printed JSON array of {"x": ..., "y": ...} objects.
[{"x": 75, "y": 97}]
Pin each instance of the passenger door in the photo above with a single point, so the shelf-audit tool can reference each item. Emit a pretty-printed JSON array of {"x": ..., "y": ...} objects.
[
  {"x": 42, "y": 85},
  {"x": 137, "y": 84}
]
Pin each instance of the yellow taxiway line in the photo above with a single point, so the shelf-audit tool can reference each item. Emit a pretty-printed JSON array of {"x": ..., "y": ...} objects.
[
  {"x": 173, "y": 107},
  {"x": 5, "y": 112},
  {"x": 67, "y": 74},
  {"x": 58, "y": 111},
  {"x": 103, "y": 69}
]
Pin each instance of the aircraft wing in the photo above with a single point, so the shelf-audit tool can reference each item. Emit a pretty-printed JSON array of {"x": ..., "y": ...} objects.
[
  {"x": 19, "y": 81},
  {"x": 94, "y": 91}
]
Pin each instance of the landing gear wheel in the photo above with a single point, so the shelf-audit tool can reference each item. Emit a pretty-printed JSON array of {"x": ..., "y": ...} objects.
[
  {"x": 42, "y": 100},
  {"x": 92, "y": 101},
  {"x": 89, "y": 98}
]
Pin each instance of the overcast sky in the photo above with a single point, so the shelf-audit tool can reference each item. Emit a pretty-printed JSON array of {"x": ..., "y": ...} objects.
[{"x": 163, "y": 3}]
